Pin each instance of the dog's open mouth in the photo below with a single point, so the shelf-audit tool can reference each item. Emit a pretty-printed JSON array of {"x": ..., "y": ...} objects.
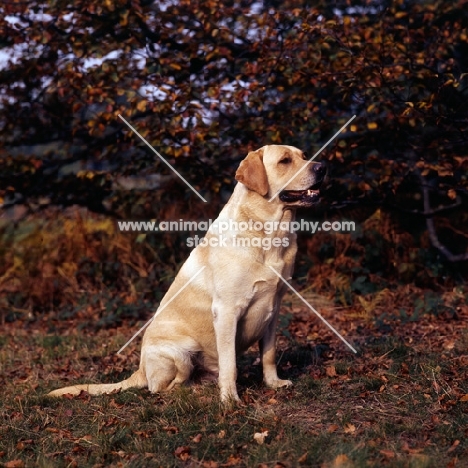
[{"x": 303, "y": 197}]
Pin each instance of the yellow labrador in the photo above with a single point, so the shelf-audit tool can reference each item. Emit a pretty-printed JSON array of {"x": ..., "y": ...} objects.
[{"x": 234, "y": 297}]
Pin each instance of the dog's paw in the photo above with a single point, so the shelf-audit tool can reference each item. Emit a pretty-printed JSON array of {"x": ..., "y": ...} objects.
[
  {"x": 230, "y": 401},
  {"x": 278, "y": 383}
]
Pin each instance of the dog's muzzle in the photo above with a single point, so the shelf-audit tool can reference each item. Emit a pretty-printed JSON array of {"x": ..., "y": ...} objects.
[{"x": 308, "y": 196}]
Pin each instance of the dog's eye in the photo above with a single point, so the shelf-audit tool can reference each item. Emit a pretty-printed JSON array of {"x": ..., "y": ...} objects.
[
  {"x": 304, "y": 156},
  {"x": 285, "y": 160}
]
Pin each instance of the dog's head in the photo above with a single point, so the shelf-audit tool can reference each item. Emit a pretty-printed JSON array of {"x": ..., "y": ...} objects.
[{"x": 282, "y": 172}]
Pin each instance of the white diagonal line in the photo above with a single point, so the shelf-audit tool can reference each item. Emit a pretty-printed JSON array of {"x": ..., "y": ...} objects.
[
  {"x": 163, "y": 160},
  {"x": 314, "y": 156},
  {"x": 160, "y": 310},
  {"x": 313, "y": 310}
]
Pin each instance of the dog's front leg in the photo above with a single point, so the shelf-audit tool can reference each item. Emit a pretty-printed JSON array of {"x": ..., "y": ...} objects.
[
  {"x": 268, "y": 355},
  {"x": 225, "y": 326}
]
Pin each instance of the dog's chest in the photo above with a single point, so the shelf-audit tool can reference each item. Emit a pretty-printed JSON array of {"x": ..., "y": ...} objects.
[{"x": 260, "y": 312}]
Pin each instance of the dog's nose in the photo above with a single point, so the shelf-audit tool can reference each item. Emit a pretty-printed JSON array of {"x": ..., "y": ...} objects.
[{"x": 319, "y": 170}]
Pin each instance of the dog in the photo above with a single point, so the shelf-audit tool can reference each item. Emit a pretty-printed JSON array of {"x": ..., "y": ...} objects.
[{"x": 226, "y": 296}]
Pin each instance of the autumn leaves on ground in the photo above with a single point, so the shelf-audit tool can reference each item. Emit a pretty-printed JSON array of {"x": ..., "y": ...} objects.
[{"x": 401, "y": 402}]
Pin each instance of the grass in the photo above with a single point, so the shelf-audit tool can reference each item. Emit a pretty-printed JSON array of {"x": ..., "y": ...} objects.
[{"x": 400, "y": 403}]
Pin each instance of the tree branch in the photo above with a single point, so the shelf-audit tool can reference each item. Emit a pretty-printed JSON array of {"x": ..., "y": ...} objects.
[{"x": 432, "y": 230}]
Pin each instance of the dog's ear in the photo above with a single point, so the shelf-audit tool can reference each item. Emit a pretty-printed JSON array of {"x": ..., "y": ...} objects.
[{"x": 252, "y": 173}]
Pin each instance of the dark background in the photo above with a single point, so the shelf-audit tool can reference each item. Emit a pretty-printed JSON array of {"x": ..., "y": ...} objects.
[{"x": 231, "y": 77}]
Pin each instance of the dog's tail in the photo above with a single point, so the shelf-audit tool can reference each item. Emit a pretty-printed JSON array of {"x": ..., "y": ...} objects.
[{"x": 136, "y": 380}]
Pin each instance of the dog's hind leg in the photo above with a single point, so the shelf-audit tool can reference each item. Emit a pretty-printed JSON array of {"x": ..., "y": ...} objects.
[{"x": 166, "y": 365}]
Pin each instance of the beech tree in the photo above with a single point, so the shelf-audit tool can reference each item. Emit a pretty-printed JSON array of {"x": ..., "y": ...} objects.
[{"x": 205, "y": 81}]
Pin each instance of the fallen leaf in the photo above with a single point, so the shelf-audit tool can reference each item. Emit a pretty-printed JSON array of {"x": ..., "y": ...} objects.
[
  {"x": 387, "y": 453},
  {"x": 302, "y": 459},
  {"x": 341, "y": 461},
  {"x": 54, "y": 430},
  {"x": 406, "y": 448},
  {"x": 454, "y": 446},
  {"x": 233, "y": 460},
  {"x": 182, "y": 452},
  {"x": 113, "y": 404},
  {"x": 260, "y": 437},
  {"x": 210, "y": 464},
  {"x": 221, "y": 434},
  {"x": 451, "y": 343},
  {"x": 331, "y": 371},
  {"x": 332, "y": 428},
  {"x": 197, "y": 438},
  {"x": 170, "y": 429},
  {"x": 464, "y": 397},
  {"x": 349, "y": 429},
  {"x": 14, "y": 464}
]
